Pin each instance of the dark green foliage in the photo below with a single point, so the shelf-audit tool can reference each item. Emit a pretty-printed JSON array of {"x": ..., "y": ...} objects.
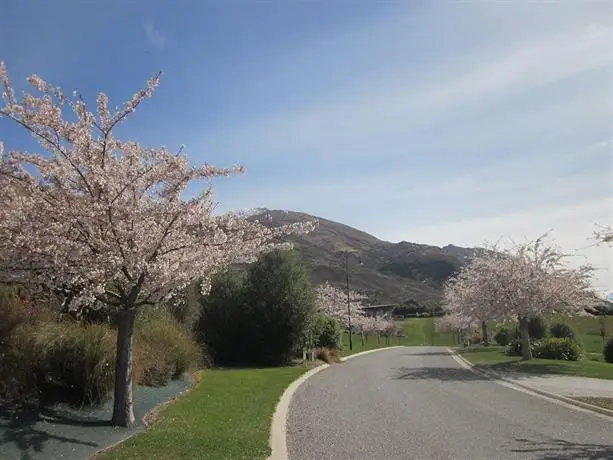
[
  {"x": 262, "y": 318},
  {"x": 561, "y": 330},
  {"x": 537, "y": 327},
  {"x": 558, "y": 348},
  {"x": 503, "y": 336},
  {"x": 549, "y": 348},
  {"x": 608, "y": 351},
  {"x": 327, "y": 333},
  {"x": 224, "y": 318}
]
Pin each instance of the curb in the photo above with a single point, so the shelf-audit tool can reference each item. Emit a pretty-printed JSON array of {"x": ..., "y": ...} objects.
[
  {"x": 370, "y": 351},
  {"x": 278, "y": 435},
  {"x": 546, "y": 394}
]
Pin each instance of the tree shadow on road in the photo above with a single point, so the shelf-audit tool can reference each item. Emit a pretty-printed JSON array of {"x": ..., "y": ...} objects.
[
  {"x": 438, "y": 373},
  {"x": 560, "y": 449}
]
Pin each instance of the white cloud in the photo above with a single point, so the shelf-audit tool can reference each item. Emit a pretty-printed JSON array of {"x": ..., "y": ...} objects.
[
  {"x": 572, "y": 228},
  {"x": 404, "y": 105},
  {"x": 154, "y": 35},
  {"x": 510, "y": 137}
]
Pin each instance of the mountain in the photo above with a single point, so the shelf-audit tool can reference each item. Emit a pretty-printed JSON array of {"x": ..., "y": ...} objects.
[{"x": 391, "y": 272}]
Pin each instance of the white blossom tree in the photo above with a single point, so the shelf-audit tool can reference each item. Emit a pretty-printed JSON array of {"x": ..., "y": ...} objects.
[
  {"x": 106, "y": 219},
  {"x": 332, "y": 302},
  {"x": 516, "y": 283}
]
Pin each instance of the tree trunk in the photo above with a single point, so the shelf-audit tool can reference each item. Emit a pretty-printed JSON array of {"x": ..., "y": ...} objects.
[
  {"x": 123, "y": 414},
  {"x": 484, "y": 333},
  {"x": 525, "y": 338},
  {"x": 362, "y": 336}
]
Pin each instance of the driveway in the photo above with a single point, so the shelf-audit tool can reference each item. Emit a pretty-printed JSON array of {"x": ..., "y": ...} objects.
[{"x": 418, "y": 403}]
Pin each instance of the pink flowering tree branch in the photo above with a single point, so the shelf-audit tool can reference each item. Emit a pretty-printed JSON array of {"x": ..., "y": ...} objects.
[{"x": 106, "y": 219}]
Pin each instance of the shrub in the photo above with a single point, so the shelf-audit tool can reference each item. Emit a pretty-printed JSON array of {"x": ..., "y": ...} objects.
[
  {"x": 561, "y": 330},
  {"x": 608, "y": 351},
  {"x": 327, "y": 355},
  {"x": 75, "y": 362},
  {"x": 562, "y": 348},
  {"x": 261, "y": 319},
  {"x": 537, "y": 327},
  {"x": 162, "y": 348},
  {"x": 503, "y": 336},
  {"x": 328, "y": 333},
  {"x": 223, "y": 321},
  {"x": 475, "y": 338}
]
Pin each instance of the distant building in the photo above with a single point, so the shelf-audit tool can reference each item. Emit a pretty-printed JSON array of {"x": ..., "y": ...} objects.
[{"x": 380, "y": 311}]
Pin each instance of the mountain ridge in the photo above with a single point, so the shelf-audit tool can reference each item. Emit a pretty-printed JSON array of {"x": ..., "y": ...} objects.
[{"x": 400, "y": 273}]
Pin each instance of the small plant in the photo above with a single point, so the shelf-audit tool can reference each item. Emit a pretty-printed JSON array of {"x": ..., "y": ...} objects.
[
  {"x": 503, "y": 336},
  {"x": 561, "y": 330},
  {"x": 562, "y": 348},
  {"x": 327, "y": 355},
  {"x": 608, "y": 351}
]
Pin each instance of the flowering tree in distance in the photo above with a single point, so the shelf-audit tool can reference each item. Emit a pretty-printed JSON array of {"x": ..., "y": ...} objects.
[
  {"x": 517, "y": 283},
  {"x": 332, "y": 302},
  {"x": 105, "y": 219},
  {"x": 466, "y": 302}
]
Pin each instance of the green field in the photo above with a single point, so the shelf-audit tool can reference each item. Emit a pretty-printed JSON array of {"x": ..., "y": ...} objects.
[
  {"x": 417, "y": 332},
  {"x": 588, "y": 334},
  {"x": 226, "y": 415}
]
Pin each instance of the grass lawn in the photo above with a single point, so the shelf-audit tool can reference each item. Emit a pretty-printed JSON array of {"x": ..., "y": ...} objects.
[
  {"x": 417, "y": 331},
  {"x": 493, "y": 358},
  {"x": 226, "y": 415}
]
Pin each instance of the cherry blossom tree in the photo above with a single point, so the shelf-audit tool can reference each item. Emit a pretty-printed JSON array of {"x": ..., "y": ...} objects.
[
  {"x": 516, "y": 283},
  {"x": 332, "y": 302},
  {"x": 106, "y": 219},
  {"x": 464, "y": 297}
]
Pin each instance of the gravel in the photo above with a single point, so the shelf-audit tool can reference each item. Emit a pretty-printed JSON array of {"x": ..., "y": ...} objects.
[
  {"x": 61, "y": 432},
  {"x": 418, "y": 403}
]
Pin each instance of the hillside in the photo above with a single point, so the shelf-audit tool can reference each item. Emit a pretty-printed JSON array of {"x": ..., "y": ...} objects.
[{"x": 391, "y": 272}]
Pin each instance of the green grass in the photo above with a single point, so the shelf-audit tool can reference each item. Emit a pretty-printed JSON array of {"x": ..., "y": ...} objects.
[
  {"x": 226, "y": 415},
  {"x": 417, "y": 331},
  {"x": 493, "y": 358}
]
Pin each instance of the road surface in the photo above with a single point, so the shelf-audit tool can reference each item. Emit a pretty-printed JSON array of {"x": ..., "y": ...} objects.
[{"x": 418, "y": 403}]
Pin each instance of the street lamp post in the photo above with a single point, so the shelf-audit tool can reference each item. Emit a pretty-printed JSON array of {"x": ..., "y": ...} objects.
[{"x": 348, "y": 295}]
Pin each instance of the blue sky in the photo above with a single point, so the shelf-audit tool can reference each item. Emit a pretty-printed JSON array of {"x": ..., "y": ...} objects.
[{"x": 427, "y": 121}]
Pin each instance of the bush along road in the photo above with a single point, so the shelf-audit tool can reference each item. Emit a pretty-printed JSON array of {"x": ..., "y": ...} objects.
[{"x": 419, "y": 403}]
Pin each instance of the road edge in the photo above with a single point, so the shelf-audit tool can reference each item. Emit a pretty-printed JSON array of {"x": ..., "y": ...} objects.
[
  {"x": 278, "y": 431},
  {"x": 546, "y": 394}
]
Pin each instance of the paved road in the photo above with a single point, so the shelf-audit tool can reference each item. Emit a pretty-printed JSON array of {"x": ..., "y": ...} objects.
[{"x": 418, "y": 403}]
